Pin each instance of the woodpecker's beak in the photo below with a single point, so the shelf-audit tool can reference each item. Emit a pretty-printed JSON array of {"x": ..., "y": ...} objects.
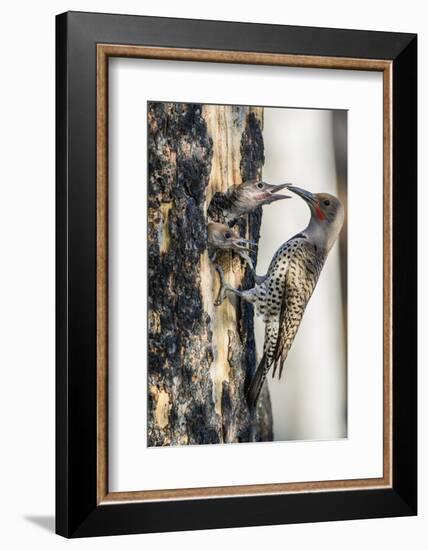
[
  {"x": 305, "y": 195},
  {"x": 270, "y": 191},
  {"x": 275, "y": 188},
  {"x": 240, "y": 244}
]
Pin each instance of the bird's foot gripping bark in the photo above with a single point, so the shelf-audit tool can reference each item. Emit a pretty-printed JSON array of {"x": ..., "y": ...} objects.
[
  {"x": 224, "y": 287},
  {"x": 247, "y": 295},
  {"x": 244, "y": 255}
]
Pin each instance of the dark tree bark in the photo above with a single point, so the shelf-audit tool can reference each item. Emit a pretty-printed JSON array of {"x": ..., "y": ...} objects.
[{"x": 201, "y": 357}]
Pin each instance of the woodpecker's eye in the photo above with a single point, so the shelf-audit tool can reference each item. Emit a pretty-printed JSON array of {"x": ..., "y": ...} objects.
[
  {"x": 227, "y": 235},
  {"x": 327, "y": 202},
  {"x": 260, "y": 185}
]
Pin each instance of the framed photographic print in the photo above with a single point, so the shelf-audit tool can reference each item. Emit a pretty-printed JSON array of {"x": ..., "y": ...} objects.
[{"x": 236, "y": 274}]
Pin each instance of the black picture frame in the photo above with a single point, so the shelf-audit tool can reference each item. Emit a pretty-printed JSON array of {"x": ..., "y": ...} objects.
[{"x": 77, "y": 511}]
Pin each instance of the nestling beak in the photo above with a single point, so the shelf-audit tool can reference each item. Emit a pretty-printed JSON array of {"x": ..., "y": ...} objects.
[
  {"x": 239, "y": 244},
  {"x": 270, "y": 191}
]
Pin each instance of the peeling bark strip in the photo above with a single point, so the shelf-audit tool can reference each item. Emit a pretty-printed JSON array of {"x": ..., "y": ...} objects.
[{"x": 200, "y": 358}]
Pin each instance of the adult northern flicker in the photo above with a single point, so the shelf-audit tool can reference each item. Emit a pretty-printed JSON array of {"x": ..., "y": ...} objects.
[
  {"x": 244, "y": 198},
  {"x": 281, "y": 296}
]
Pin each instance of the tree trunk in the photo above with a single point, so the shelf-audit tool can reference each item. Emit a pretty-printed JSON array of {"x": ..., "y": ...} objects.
[{"x": 201, "y": 357}]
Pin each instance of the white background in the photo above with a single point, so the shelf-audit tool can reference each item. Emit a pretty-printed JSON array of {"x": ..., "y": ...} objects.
[
  {"x": 27, "y": 274},
  {"x": 360, "y": 454}
]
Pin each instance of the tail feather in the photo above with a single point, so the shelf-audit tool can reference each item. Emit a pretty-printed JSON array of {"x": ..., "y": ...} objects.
[
  {"x": 257, "y": 384},
  {"x": 279, "y": 364}
]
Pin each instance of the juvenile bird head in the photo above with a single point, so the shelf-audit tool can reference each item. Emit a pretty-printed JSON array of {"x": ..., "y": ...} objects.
[
  {"x": 255, "y": 193},
  {"x": 327, "y": 216},
  {"x": 224, "y": 237},
  {"x": 247, "y": 196}
]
